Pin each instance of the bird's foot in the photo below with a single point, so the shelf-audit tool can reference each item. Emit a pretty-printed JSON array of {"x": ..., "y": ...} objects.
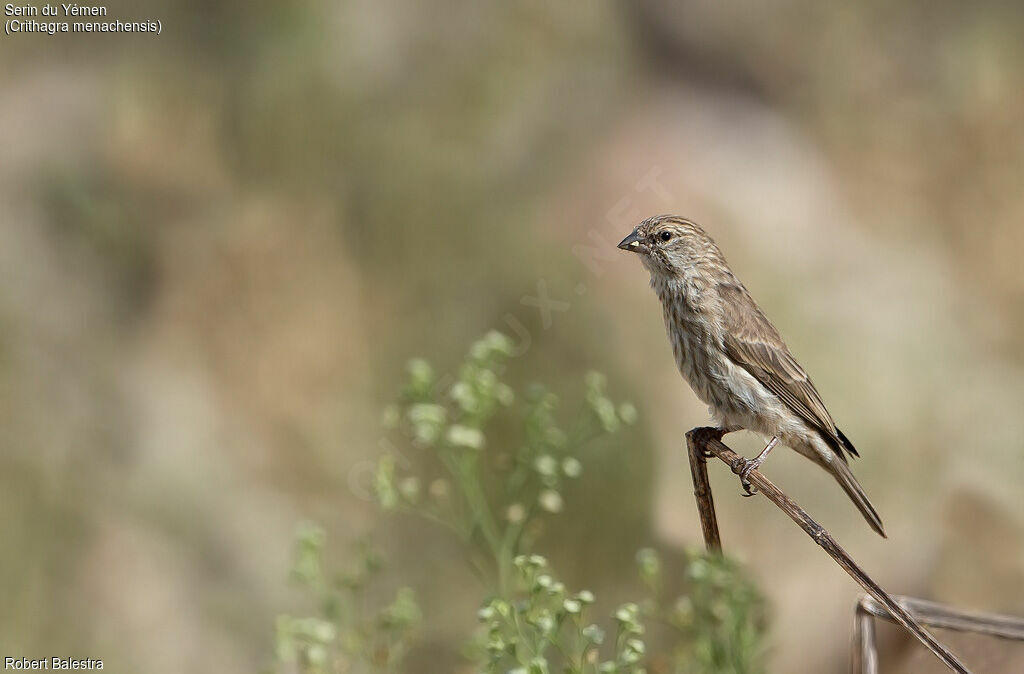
[
  {"x": 717, "y": 433},
  {"x": 743, "y": 467},
  {"x": 748, "y": 489}
]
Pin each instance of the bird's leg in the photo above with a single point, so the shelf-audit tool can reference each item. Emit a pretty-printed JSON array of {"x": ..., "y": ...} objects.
[{"x": 744, "y": 466}]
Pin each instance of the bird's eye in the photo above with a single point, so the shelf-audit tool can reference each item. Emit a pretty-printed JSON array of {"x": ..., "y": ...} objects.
[{"x": 665, "y": 236}]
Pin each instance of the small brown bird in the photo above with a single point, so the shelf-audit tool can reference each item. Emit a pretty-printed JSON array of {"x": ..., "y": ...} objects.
[{"x": 733, "y": 357}]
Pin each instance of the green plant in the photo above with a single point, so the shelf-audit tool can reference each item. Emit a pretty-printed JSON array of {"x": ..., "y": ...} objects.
[
  {"x": 490, "y": 466},
  {"x": 542, "y": 629},
  {"x": 719, "y": 622},
  {"x": 346, "y": 635},
  {"x": 493, "y": 499}
]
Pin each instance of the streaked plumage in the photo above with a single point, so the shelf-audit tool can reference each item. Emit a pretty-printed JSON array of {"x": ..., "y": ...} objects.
[{"x": 731, "y": 354}]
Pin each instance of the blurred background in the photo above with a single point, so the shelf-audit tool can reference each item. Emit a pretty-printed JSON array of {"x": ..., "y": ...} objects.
[{"x": 219, "y": 246}]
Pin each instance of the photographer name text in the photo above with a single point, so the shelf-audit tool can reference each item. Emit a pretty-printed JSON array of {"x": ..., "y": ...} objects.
[{"x": 55, "y": 663}]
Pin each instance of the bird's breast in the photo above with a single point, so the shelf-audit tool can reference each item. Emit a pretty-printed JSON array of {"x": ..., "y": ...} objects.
[{"x": 693, "y": 347}]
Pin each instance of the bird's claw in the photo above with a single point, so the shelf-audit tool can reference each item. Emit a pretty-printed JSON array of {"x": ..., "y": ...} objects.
[
  {"x": 742, "y": 467},
  {"x": 748, "y": 489}
]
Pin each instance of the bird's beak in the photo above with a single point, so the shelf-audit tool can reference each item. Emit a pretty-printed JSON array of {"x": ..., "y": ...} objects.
[{"x": 633, "y": 244}]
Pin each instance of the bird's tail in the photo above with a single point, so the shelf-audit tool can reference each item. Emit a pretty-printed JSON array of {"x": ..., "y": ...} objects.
[{"x": 844, "y": 476}]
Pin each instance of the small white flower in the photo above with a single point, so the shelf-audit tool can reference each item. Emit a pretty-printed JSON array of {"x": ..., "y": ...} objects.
[
  {"x": 464, "y": 436},
  {"x": 546, "y": 465},
  {"x": 550, "y": 500},
  {"x": 572, "y": 467},
  {"x": 515, "y": 514}
]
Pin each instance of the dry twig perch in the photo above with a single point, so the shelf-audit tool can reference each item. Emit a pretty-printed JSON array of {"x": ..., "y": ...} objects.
[
  {"x": 704, "y": 442},
  {"x": 932, "y": 614}
]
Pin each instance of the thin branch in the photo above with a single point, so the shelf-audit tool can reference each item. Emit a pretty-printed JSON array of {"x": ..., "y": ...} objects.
[
  {"x": 865, "y": 654},
  {"x": 708, "y": 441},
  {"x": 945, "y": 617},
  {"x": 702, "y": 490}
]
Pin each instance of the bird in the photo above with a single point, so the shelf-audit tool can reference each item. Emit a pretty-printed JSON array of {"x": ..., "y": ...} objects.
[{"x": 734, "y": 358}]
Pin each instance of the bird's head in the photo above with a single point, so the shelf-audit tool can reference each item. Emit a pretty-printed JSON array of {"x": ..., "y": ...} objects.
[{"x": 670, "y": 245}]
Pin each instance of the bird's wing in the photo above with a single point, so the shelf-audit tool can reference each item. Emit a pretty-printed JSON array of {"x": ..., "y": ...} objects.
[{"x": 752, "y": 342}]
